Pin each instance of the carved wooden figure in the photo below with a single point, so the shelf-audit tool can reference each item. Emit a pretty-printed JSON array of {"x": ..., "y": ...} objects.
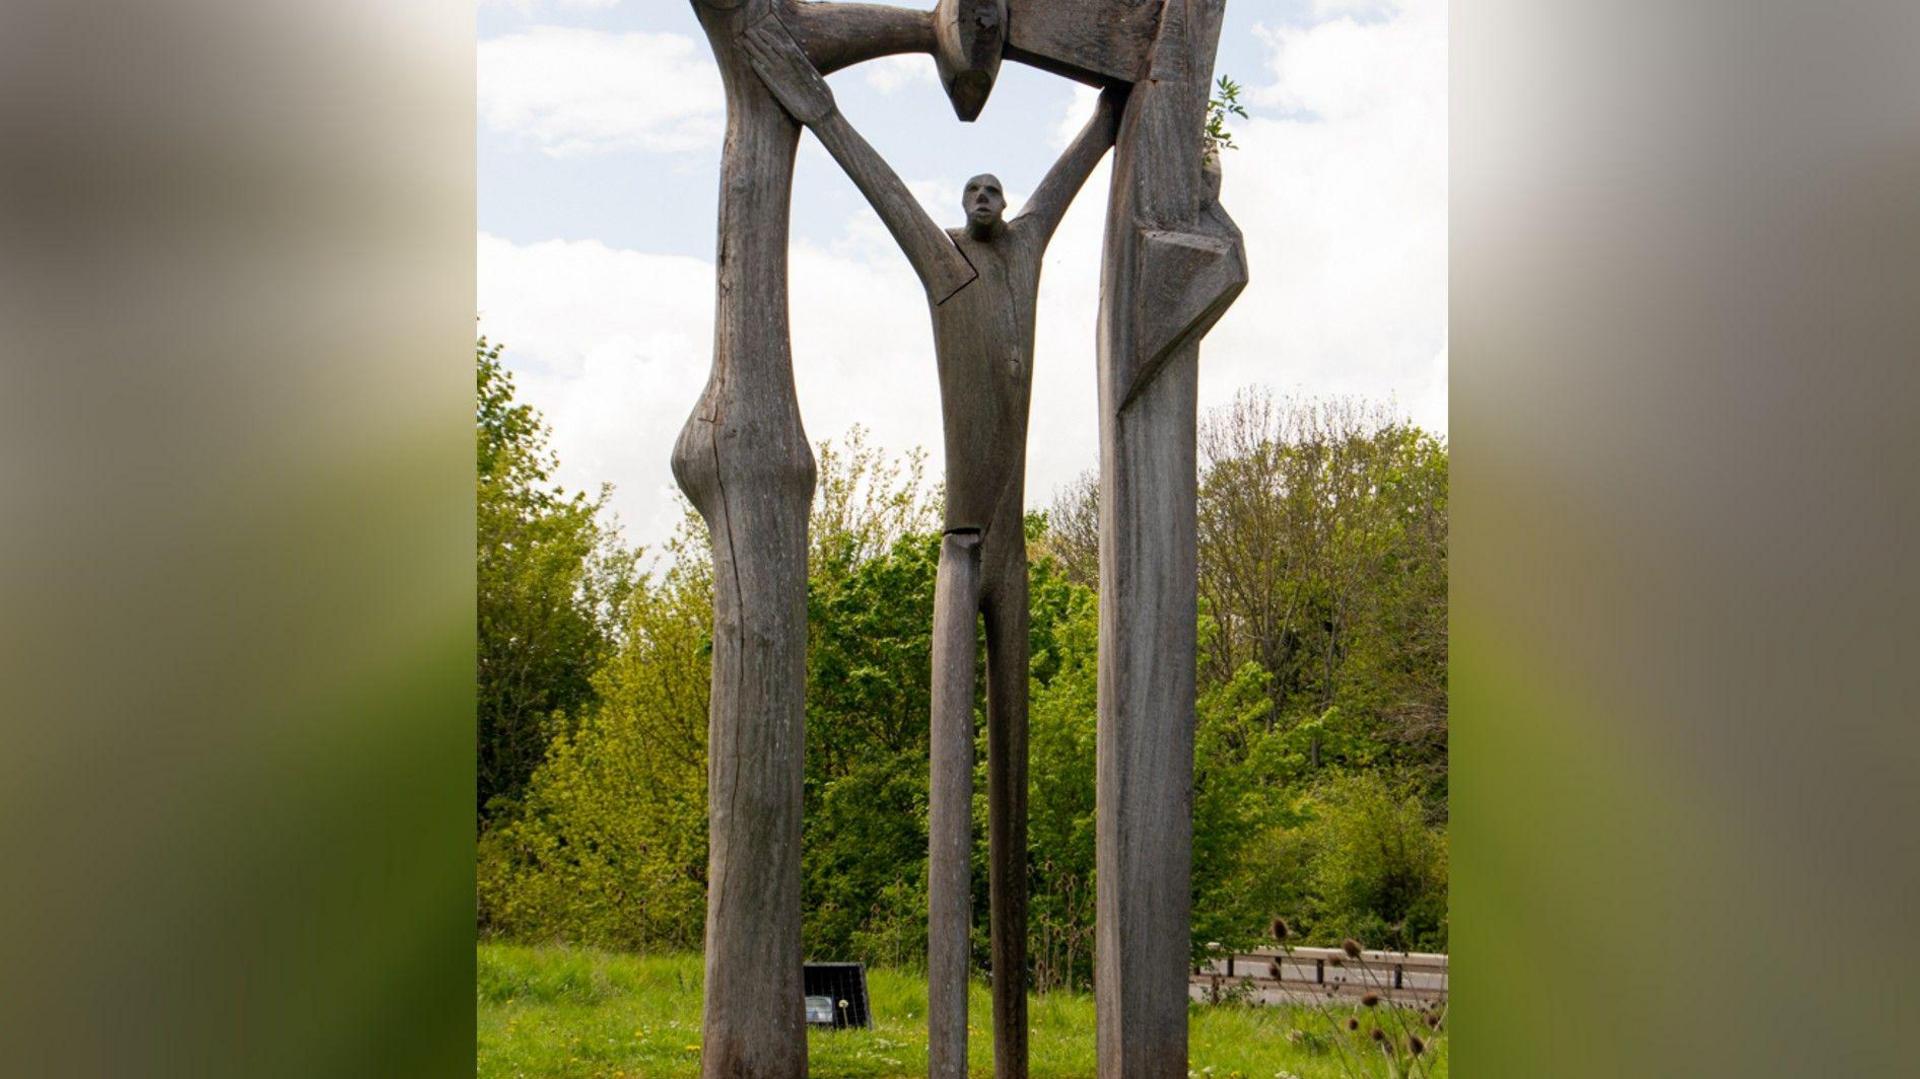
[{"x": 983, "y": 345}]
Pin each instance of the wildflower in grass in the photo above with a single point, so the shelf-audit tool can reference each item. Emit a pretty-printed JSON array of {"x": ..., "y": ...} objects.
[
  {"x": 1352, "y": 1023},
  {"x": 1371, "y": 1000},
  {"x": 1415, "y": 1045},
  {"x": 1378, "y": 1035}
]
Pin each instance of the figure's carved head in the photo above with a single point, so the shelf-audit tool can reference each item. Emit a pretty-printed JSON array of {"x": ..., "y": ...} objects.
[{"x": 985, "y": 203}]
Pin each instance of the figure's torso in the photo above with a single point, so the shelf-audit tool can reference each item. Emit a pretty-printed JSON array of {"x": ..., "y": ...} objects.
[{"x": 983, "y": 339}]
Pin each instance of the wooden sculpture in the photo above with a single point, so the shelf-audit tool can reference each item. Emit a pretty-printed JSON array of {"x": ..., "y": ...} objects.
[
  {"x": 983, "y": 334},
  {"x": 1172, "y": 264}
]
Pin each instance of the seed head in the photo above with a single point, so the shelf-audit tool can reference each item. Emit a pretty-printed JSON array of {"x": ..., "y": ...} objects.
[
  {"x": 1273, "y": 969},
  {"x": 1353, "y": 1023},
  {"x": 1371, "y": 1000},
  {"x": 1415, "y": 1045},
  {"x": 1379, "y": 1035},
  {"x": 1351, "y": 947},
  {"x": 1280, "y": 929}
]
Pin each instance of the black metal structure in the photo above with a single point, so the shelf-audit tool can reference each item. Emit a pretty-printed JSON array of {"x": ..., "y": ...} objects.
[{"x": 839, "y": 982}]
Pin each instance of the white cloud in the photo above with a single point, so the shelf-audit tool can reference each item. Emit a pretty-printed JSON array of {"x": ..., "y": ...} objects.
[
  {"x": 890, "y": 73},
  {"x": 1326, "y": 8},
  {"x": 612, "y": 346},
  {"x": 528, "y": 7},
  {"x": 1344, "y": 204},
  {"x": 570, "y": 91},
  {"x": 1085, "y": 98}
]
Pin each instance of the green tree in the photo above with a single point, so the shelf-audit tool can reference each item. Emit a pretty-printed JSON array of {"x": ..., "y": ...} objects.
[
  {"x": 610, "y": 846},
  {"x": 550, "y": 582},
  {"x": 1060, "y": 752},
  {"x": 1364, "y": 863},
  {"x": 1322, "y": 553},
  {"x": 1319, "y": 758}
]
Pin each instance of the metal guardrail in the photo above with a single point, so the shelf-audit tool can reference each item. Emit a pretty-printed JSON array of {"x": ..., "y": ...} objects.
[{"x": 1317, "y": 975}]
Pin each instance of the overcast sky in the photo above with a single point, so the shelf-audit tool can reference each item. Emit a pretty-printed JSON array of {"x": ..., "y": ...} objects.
[{"x": 599, "y": 146}]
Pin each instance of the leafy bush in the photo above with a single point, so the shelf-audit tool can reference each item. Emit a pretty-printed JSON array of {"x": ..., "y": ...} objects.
[
  {"x": 1365, "y": 864},
  {"x": 1319, "y": 747}
]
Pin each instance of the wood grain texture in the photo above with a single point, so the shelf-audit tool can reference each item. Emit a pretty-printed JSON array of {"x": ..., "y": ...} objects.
[
  {"x": 956, "y": 606},
  {"x": 1007, "y": 618},
  {"x": 983, "y": 343},
  {"x": 969, "y": 36},
  {"x": 1149, "y": 331},
  {"x": 791, "y": 77},
  {"x": 1102, "y": 42},
  {"x": 1201, "y": 272},
  {"x": 744, "y": 461},
  {"x": 841, "y": 35}
]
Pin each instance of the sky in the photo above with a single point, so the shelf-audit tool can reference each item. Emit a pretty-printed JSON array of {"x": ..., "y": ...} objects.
[{"x": 600, "y": 124}]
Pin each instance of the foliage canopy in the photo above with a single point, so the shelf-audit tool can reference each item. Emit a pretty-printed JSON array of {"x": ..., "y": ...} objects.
[{"x": 1320, "y": 770}]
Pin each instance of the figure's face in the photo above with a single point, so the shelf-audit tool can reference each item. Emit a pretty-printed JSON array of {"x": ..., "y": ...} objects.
[{"x": 984, "y": 201}]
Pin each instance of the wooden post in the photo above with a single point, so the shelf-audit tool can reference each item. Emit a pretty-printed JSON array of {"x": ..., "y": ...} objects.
[
  {"x": 956, "y": 608},
  {"x": 1172, "y": 264},
  {"x": 970, "y": 36},
  {"x": 744, "y": 461}
]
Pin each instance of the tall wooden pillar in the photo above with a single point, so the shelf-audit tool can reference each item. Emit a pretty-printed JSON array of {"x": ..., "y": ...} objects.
[
  {"x": 744, "y": 461},
  {"x": 1172, "y": 264}
]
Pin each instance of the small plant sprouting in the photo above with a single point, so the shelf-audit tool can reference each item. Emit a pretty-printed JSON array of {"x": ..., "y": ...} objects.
[
  {"x": 1386, "y": 1038},
  {"x": 1225, "y": 103}
]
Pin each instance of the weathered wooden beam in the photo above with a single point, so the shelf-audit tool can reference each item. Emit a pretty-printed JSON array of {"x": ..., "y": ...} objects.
[
  {"x": 1200, "y": 273},
  {"x": 1164, "y": 280},
  {"x": 1093, "y": 41},
  {"x": 841, "y": 35},
  {"x": 956, "y": 606},
  {"x": 744, "y": 461},
  {"x": 969, "y": 37},
  {"x": 790, "y": 76}
]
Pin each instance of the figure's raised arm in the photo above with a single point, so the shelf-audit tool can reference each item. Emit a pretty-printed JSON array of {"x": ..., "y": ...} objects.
[
  {"x": 801, "y": 90},
  {"x": 1055, "y": 193}
]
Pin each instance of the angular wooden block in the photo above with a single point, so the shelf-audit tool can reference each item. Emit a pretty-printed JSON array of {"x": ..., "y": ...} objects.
[
  {"x": 1188, "y": 280},
  {"x": 969, "y": 36},
  {"x": 1095, "y": 41}
]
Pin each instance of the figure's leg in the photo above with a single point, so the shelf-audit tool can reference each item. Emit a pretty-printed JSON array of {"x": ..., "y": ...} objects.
[
  {"x": 956, "y": 603},
  {"x": 1007, "y": 620}
]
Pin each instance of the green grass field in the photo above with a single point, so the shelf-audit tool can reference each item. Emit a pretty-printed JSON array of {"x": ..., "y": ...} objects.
[{"x": 548, "y": 1011}]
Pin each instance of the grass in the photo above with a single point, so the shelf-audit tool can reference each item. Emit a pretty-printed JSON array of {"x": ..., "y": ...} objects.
[{"x": 568, "y": 1012}]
